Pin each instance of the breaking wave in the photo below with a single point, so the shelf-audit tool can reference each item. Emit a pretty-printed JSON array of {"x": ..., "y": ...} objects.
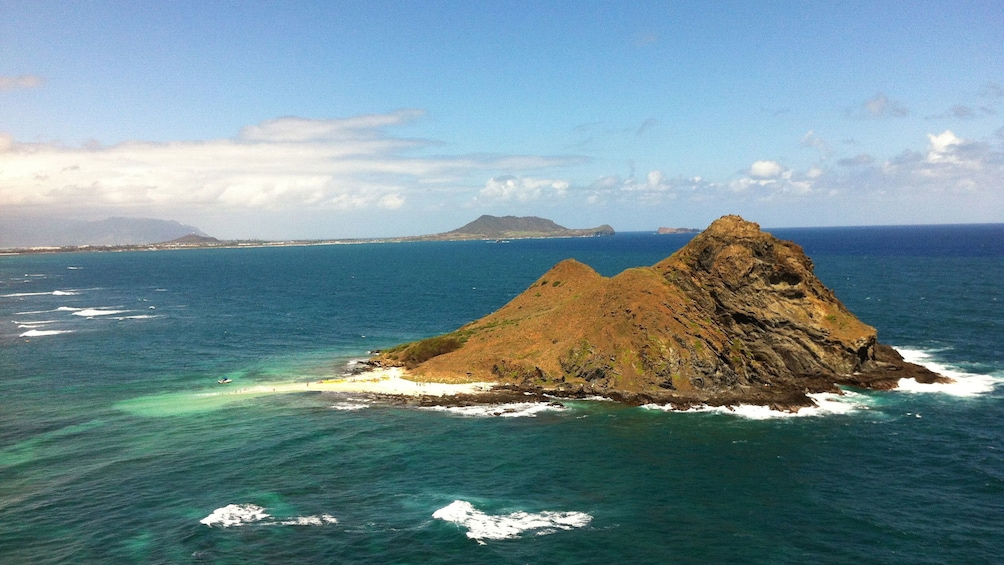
[
  {"x": 481, "y": 526},
  {"x": 40, "y": 333},
  {"x": 965, "y": 385},
  {"x": 53, "y": 293},
  {"x": 512, "y": 410},
  {"x": 93, "y": 312},
  {"x": 233, "y": 515},
  {"x": 826, "y": 404}
]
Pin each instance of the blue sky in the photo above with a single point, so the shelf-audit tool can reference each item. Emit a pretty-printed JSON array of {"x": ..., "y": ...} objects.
[{"x": 353, "y": 119}]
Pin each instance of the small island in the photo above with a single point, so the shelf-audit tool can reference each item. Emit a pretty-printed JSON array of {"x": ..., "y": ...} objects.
[
  {"x": 734, "y": 317},
  {"x": 672, "y": 231}
]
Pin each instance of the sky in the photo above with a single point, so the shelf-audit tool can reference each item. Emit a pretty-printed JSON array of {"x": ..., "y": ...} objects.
[{"x": 282, "y": 120}]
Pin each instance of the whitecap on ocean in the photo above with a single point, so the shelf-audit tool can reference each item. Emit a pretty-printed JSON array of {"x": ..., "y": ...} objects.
[
  {"x": 481, "y": 526},
  {"x": 233, "y": 515}
]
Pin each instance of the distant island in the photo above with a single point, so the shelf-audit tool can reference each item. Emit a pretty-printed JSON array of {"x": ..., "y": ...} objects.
[
  {"x": 670, "y": 231},
  {"x": 490, "y": 228},
  {"x": 734, "y": 317},
  {"x": 513, "y": 227}
]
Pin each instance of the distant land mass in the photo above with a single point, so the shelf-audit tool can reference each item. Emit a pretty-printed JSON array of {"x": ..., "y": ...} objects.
[
  {"x": 56, "y": 232},
  {"x": 513, "y": 227},
  {"x": 670, "y": 231},
  {"x": 137, "y": 234},
  {"x": 736, "y": 316}
]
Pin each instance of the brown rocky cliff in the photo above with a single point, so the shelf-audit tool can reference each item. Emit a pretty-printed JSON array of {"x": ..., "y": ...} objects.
[{"x": 735, "y": 316}]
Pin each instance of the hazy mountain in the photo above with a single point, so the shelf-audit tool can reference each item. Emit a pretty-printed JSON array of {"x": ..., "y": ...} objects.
[{"x": 46, "y": 232}]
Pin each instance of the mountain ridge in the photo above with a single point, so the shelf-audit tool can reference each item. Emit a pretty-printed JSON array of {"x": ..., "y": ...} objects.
[{"x": 57, "y": 232}]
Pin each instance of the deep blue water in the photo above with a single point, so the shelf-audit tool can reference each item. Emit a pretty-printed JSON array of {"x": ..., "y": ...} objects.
[{"x": 110, "y": 450}]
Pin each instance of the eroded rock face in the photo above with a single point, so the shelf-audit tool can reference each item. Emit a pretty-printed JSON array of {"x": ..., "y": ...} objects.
[{"x": 735, "y": 316}]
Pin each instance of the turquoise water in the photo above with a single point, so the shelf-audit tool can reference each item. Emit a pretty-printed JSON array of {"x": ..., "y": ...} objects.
[{"x": 113, "y": 447}]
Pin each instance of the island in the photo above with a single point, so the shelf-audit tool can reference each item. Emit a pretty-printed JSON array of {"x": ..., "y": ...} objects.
[
  {"x": 672, "y": 231},
  {"x": 512, "y": 227},
  {"x": 736, "y": 316}
]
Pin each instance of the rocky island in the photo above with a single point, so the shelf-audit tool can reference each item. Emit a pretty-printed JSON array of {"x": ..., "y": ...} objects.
[{"x": 734, "y": 317}]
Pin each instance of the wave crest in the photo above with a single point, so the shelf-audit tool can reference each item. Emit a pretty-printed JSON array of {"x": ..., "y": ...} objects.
[{"x": 481, "y": 526}]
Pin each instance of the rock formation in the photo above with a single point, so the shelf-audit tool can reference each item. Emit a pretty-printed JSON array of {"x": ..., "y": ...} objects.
[{"x": 735, "y": 316}]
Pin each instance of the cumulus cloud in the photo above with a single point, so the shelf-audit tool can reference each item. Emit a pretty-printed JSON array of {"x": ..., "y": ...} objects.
[
  {"x": 950, "y": 178},
  {"x": 20, "y": 82},
  {"x": 655, "y": 188},
  {"x": 948, "y": 165},
  {"x": 879, "y": 106},
  {"x": 283, "y": 164},
  {"x": 522, "y": 189},
  {"x": 766, "y": 170}
]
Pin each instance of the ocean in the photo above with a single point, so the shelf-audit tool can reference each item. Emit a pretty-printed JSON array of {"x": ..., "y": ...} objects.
[{"x": 116, "y": 445}]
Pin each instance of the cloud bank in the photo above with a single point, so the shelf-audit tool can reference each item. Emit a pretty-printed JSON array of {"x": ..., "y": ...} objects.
[
  {"x": 294, "y": 173},
  {"x": 281, "y": 164}
]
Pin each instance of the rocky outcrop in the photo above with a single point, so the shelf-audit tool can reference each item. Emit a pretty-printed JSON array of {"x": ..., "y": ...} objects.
[{"x": 735, "y": 316}]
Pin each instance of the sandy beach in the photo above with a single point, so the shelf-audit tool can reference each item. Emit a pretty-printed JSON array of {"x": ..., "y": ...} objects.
[{"x": 380, "y": 381}]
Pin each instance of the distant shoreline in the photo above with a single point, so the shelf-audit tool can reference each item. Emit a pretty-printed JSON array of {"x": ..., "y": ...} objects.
[{"x": 253, "y": 244}]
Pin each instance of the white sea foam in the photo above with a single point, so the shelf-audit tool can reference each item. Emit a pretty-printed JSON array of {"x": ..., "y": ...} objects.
[
  {"x": 32, "y": 312},
  {"x": 53, "y": 293},
  {"x": 23, "y": 294},
  {"x": 233, "y": 515},
  {"x": 32, "y": 323},
  {"x": 481, "y": 526},
  {"x": 137, "y": 317},
  {"x": 93, "y": 312},
  {"x": 310, "y": 520},
  {"x": 512, "y": 410},
  {"x": 348, "y": 406},
  {"x": 825, "y": 404},
  {"x": 966, "y": 384},
  {"x": 40, "y": 333}
]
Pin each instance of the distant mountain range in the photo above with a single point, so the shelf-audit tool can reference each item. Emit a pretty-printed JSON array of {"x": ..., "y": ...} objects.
[{"x": 57, "y": 232}]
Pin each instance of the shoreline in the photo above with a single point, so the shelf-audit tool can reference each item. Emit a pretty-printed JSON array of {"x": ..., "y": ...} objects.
[{"x": 384, "y": 381}]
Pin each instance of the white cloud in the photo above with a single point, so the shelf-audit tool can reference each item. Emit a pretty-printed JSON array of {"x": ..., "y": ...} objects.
[
  {"x": 522, "y": 189},
  {"x": 282, "y": 164},
  {"x": 941, "y": 147},
  {"x": 20, "y": 82},
  {"x": 391, "y": 201},
  {"x": 766, "y": 170}
]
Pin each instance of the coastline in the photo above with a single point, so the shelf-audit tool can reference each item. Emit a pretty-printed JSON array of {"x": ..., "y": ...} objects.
[
  {"x": 396, "y": 385},
  {"x": 390, "y": 381}
]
